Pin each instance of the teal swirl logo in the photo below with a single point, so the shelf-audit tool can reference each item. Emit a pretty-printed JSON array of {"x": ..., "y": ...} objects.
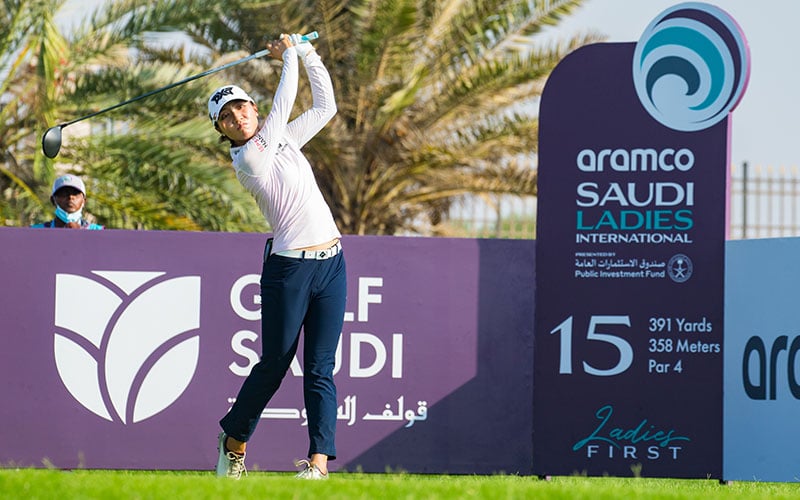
[{"x": 691, "y": 66}]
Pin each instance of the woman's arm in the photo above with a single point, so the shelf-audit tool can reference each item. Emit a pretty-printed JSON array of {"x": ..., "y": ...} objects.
[
  {"x": 308, "y": 124},
  {"x": 261, "y": 149},
  {"x": 274, "y": 127}
]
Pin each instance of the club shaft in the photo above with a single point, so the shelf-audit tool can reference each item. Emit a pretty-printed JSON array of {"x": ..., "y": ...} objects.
[{"x": 261, "y": 53}]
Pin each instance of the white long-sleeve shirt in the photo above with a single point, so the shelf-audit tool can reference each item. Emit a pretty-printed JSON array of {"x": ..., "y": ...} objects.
[{"x": 274, "y": 170}]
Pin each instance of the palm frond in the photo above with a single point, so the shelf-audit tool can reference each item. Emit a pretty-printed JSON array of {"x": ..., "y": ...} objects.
[{"x": 437, "y": 100}]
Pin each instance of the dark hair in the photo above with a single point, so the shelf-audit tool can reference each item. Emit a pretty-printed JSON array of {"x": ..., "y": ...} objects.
[{"x": 222, "y": 137}]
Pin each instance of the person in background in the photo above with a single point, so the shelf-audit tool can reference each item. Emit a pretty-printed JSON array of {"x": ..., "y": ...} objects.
[
  {"x": 303, "y": 278},
  {"x": 68, "y": 198}
]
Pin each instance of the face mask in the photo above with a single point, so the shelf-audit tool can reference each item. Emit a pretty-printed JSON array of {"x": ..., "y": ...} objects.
[{"x": 68, "y": 217}]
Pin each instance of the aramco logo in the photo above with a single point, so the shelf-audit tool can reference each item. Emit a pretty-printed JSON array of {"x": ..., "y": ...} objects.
[
  {"x": 126, "y": 345},
  {"x": 691, "y": 66}
]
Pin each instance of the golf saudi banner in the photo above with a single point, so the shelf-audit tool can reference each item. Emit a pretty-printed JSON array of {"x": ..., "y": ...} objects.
[{"x": 633, "y": 156}]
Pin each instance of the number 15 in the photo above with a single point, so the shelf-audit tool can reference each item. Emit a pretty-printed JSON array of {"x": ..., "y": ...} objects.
[{"x": 622, "y": 345}]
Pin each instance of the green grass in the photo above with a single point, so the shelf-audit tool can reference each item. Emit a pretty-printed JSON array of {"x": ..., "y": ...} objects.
[{"x": 88, "y": 484}]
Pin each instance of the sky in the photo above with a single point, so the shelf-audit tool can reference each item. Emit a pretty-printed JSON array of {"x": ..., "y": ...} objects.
[{"x": 765, "y": 128}]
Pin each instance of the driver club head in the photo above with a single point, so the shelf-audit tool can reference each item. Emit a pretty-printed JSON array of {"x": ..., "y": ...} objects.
[{"x": 51, "y": 141}]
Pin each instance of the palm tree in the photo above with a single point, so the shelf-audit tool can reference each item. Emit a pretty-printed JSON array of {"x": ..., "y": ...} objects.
[
  {"x": 25, "y": 27},
  {"x": 137, "y": 170},
  {"x": 432, "y": 98}
]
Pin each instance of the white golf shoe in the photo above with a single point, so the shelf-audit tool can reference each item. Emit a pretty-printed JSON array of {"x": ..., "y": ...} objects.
[
  {"x": 310, "y": 471},
  {"x": 229, "y": 464}
]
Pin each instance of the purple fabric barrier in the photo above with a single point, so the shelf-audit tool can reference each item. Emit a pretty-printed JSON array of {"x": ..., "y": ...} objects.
[{"x": 121, "y": 350}]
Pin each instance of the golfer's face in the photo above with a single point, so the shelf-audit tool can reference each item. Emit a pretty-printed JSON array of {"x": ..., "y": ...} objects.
[{"x": 238, "y": 120}]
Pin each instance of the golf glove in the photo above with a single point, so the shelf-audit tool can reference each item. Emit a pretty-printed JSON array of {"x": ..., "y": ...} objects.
[{"x": 301, "y": 46}]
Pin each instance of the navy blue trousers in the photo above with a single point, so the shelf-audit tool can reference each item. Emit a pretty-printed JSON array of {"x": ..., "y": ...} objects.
[{"x": 296, "y": 293}]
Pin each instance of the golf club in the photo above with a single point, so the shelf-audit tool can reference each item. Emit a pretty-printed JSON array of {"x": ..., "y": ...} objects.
[{"x": 51, "y": 140}]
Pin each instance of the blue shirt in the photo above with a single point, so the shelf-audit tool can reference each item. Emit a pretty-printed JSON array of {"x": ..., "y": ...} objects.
[{"x": 84, "y": 225}]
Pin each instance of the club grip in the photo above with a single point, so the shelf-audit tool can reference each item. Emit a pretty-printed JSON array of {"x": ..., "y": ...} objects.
[{"x": 309, "y": 36}]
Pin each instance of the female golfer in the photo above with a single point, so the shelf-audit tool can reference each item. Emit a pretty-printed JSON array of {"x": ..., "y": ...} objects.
[{"x": 303, "y": 276}]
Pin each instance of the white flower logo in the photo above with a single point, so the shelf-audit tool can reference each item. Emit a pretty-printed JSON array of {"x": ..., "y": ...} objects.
[{"x": 126, "y": 351}]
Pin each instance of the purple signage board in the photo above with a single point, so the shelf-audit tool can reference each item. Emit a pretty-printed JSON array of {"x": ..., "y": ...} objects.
[
  {"x": 115, "y": 343},
  {"x": 630, "y": 254}
]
